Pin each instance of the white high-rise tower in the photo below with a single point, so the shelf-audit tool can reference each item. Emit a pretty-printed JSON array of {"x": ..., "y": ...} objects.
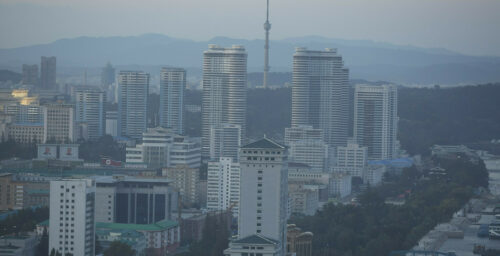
[
  {"x": 132, "y": 103},
  {"x": 267, "y": 27},
  {"x": 320, "y": 93},
  {"x": 375, "y": 119},
  {"x": 224, "y": 90},
  {"x": 172, "y": 86}
]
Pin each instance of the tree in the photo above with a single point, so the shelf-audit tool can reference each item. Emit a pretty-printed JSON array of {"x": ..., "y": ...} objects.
[
  {"x": 42, "y": 248},
  {"x": 118, "y": 248},
  {"x": 97, "y": 247}
]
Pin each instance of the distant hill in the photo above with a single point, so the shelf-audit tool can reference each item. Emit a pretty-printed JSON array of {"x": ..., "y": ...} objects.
[
  {"x": 365, "y": 59},
  {"x": 7, "y": 75}
]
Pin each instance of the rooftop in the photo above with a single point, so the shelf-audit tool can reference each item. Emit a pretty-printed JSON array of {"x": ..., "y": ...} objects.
[
  {"x": 255, "y": 239},
  {"x": 264, "y": 143},
  {"x": 158, "y": 226}
]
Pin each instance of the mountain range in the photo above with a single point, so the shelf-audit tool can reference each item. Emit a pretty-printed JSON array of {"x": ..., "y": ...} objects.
[{"x": 366, "y": 59}]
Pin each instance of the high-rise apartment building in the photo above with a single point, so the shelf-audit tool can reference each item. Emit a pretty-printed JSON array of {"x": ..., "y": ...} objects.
[
  {"x": 90, "y": 109},
  {"x": 223, "y": 185},
  {"x": 72, "y": 222},
  {"x": 225, "y": 141},
  {"x": 107, "y": 75},
  {"x": 320, "y": 93},
  {"x": 264, "y": 190},
  {"x": 48, "y": 73},
  {"x": 132, "y": 103},
  {"x": 172, "y": 86},
  {"x": 112, "y": 123},
  {"x": 375, "y": 119},
  {"x": 30, "y": 75},
  {"x": 58, "y": 123},
  {"x": 224, "y": 90}
]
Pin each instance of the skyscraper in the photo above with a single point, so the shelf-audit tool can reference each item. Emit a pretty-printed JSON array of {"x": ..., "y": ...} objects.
[
  {"x": 224, "y": 90},
  {"x": 72, "y": 220},
  {"x": 132, "y": 103},
  {"x": 90, "y": 109},
  {"x": 225, "y": 141},
  {"x": 375, "y": 119},
  {"x": 108, "y": 75},
  {"x": 320, "y": 93},
  {"x": 172, "y": 86},
  {"x": 48, "y": 73},
  {"x": 263, "y": 189},
  {"x": 30, "y": 74}
]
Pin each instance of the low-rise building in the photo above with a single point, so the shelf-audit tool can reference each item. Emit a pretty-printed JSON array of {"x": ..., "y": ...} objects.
[
  {"x": 340, "y": 185},
  {"x": 133, "y": 238},
  {"x": 18, "y": 244},
  {"x": 161, "y": 238},
  {"x": 304, "y": 199},
  {"x": 254, "y": 245}
]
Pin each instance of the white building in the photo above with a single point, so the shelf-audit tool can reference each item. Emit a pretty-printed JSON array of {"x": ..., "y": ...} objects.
[
  {"x": 162, "y": 148},
  {"x": 351, "y": 159},
  {"x": 223, "y": 185},
  {"x": 224, "y": 90},
  {"x": 304, "y": 198},
  {"x": 302, "y": 132},
  {"x": 172, "y": 86},
  {"x": 225, "y": 141},
  {"x": 264, "y": 191},
  {"x": 340, "y": 185},
  {"x": 72, "y": 209},
  {"x": 112, "y": 123},
  {"x": 311, "y": 152},
  {"x": 254, "y": 245},
  {"x": 375, "y": 119},
  {"x": 373, "y": 174},
  {"x": 133, "y": 94},
  {"x": 90, "y": 109},
  {"x": 59, "y": 123},
  {"x": 320, "y": 93}
]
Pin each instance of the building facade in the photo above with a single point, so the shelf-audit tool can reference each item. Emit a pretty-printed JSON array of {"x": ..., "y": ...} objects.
[
  {"x": 351, "y": 159},
  {"x": 224, "y": 90},
  {"x": 185, "y": 180},
  {"x": 30, "y": 75},
  {"x": 133, "y": 88},
  {"x": 90, "y": 109},
  {"x": 223, "y": 185},
  {"x": 302, "y": 132},
  {"x": 263, "y": 189},
  {"x": 72, "y": 222},
  {"x": 48, "y": 73},
  {"x": 172, "y": 86},
  {"x": 225, "y": 141},
  {"x": 320, "y": 93},
  {"x": 375, "y": 120},
  {"x": 311, "y": 152},
  {"x": 59, "y": 123},
  {"x": 124, "y": 199}
]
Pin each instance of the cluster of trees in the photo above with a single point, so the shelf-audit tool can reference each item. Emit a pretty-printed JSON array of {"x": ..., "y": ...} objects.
[
  {"x": 104, "y": 146},
  {"x": 376, "y": 228},
  {"x": 447, "y": 116},
  {"x": 23, "y": 220},
  {"x": 10, "y": 149},
  {"x": 215, "y": 238}
]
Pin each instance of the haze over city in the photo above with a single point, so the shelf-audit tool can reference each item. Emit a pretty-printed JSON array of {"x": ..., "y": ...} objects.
[
  {"x": 463, "y": 26},
  {"x": 249, "y": 128}
]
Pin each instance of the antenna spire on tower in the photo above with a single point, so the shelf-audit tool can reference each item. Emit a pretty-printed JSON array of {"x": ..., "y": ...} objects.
[{"x": 267, "y": 27}]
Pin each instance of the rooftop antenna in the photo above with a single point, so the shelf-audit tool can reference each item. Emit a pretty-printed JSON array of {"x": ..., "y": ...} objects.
[{"x": 267, "y": 27}]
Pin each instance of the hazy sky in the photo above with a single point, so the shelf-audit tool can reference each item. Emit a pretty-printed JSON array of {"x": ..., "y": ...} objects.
[{"x": 467, "y": 26}]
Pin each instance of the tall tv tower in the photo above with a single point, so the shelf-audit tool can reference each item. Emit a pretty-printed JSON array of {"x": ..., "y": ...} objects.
[{"x": 267, "y": 27}]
